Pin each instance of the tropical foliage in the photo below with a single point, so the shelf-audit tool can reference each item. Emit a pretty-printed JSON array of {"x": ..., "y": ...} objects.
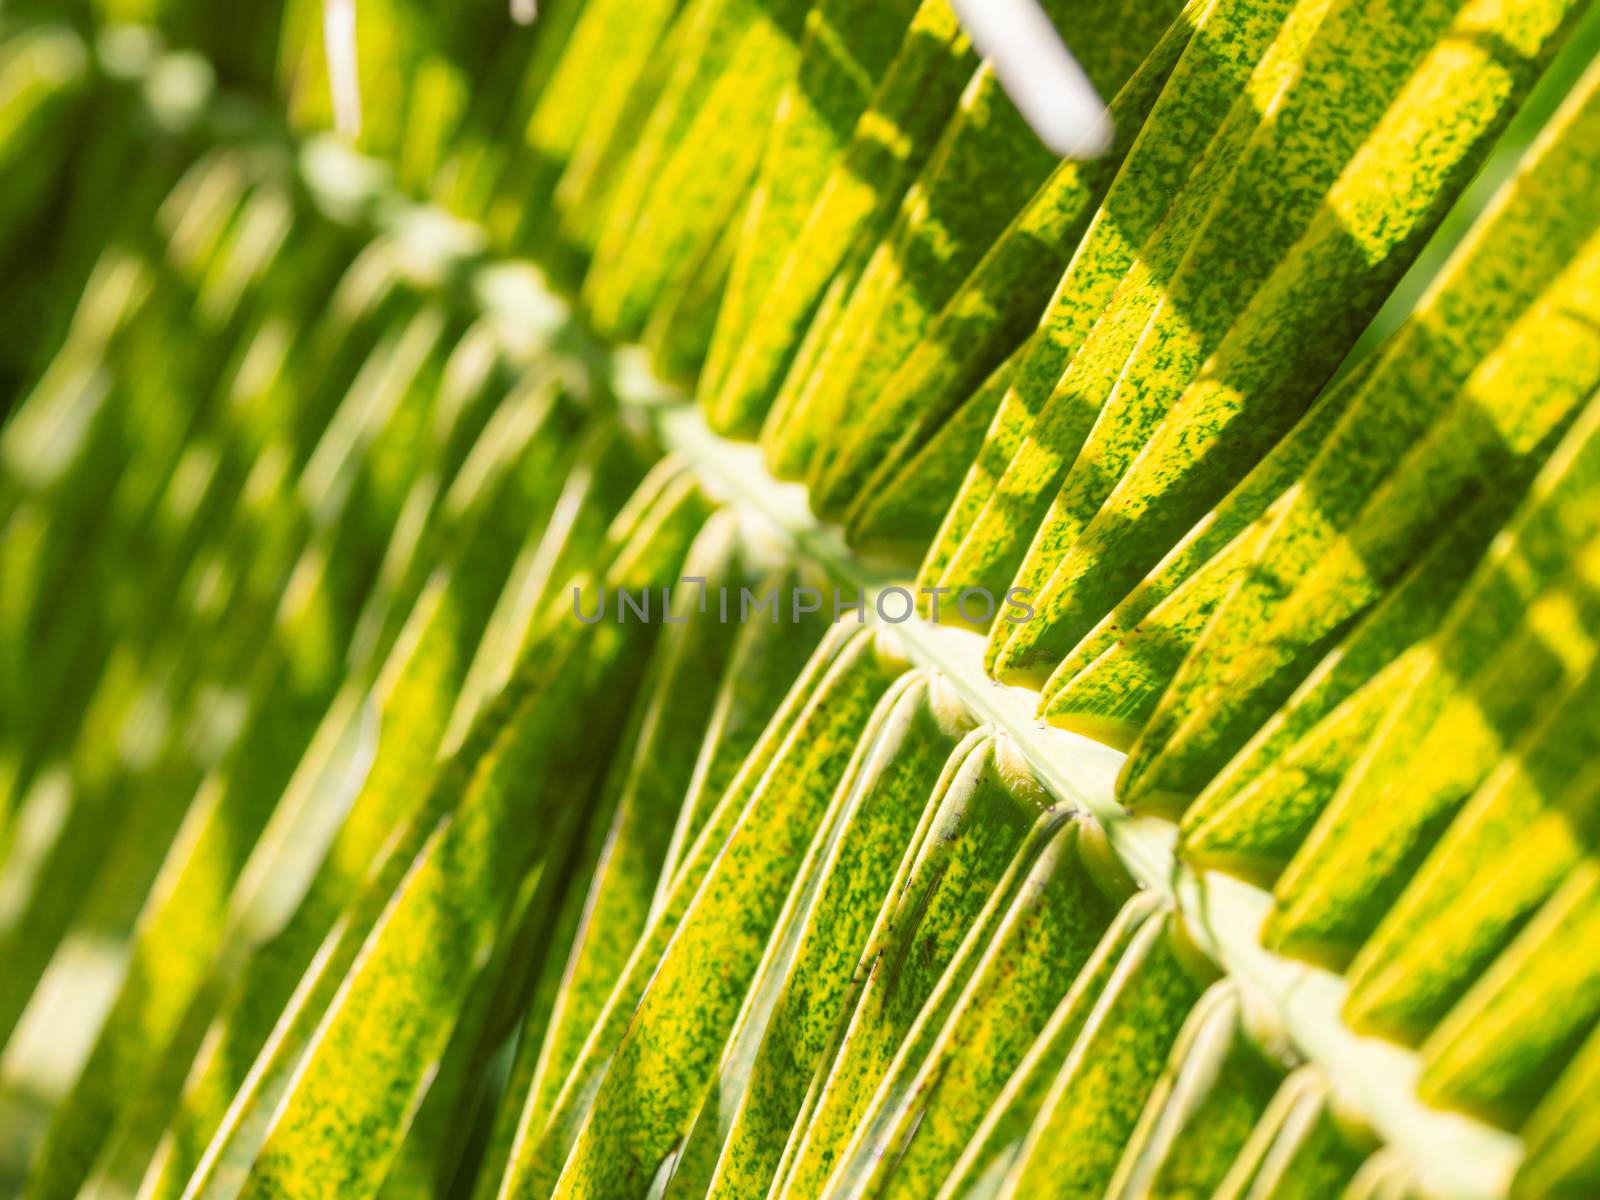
[{"x": 343, "y": 853}]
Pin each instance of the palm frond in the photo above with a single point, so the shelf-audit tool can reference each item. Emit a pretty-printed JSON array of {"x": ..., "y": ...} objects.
[{"x": 685, "y": 609}]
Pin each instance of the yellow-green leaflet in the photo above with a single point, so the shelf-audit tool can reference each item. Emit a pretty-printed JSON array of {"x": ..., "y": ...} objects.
[
  {"x": 1085, "y": 1119},
  {"x": 1211, "y": 539},
  {"x": 1509, "y": 848},
  {"x": 887, "y": 147},
  {"x": 1111, "y": 698},
  {"x": 994, "y": 1145},
  {"x": 899, "y": 519},
  {"x": 1388, "y": 497},
  {"x": 270, "y": 977},
  {"x": 1053, "y": 417},
  {"x": 566, "y": 228},
  {"x": 1202, "y": 1110},
  {"x": 434, "y": 1136},
  {"x": 402, "y": 725},
  {"x": 789, "y": 777},
  {"x": 728, "y": 929},
  {"x": 1336, "y": 704},
  {"x": 1262, "y": 367},
  {"x": 1433, "y": 749},
  {"x": 189, "y": 904},
  {"x": 972, "y": 196},
  {"x": 678, "y": 335},
  {"x": 1298, "y": 1151},
  {"x": 972, "y": 852},
  {"x": 806, "y": 977},
  {"x": 42, "y": 72},
  {"x": 1563, "y": 1157},
  {"x": 400, "y": 981},
  {"x": 1523, "y": 616},
  {"x": 612, "y": 41},
  {"x": 991, "y": 313},
  {"x": 1255, "y": 830},
  {"x": 929, "y": 1105},
  {"x": 1503, "y": 1045},
  {"x": 694, "y": 161},
  {"x": 845, "y": 51},
  {"x": 771, "y": 652},
  {"x": 635, "y": 819}
]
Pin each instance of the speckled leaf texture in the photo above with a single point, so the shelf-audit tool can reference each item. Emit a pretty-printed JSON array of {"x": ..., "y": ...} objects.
[{"x": 660, "y": 600}]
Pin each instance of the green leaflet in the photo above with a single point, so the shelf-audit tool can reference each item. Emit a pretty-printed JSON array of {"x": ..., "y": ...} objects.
[
  {"x": 846, "y": 49},
  {"x": 993, "y": 1146},
  {"x": 1093, "y": 1104},
  {"x": 788, "y": 777},
  {"x": 888, "y": 146},
  {"x": 95, "y": 440},
  {"x": 183, "y": 923},
  {"x": 679, "y": 333},
  {"x": 601, "y": 483},
  {"x": 1388, "y": 496},
  {"x": 429, "y": 913},
  {"x": 1241, "y": 506},
  {"x": 564, "y": 235},
  {"x": 1520, "y": 620},
  {"x": 1051, "y": 413},
  {"x": 508, "y": 153},
  {"x": 589, "y": 501},
  {"x": 928, "y": 1106},
  {"x": 1213, "y": 540},
  {"x": 420, "y": 71},
  {"x": 1111, "y": 698},
  {"x": 1433, "y": 749},
  {"x": 1255, "y": 831},
  {"x": 806, "y": 976},
  {"x": 636, "y": 818},
  {"x": 187, "y": 914},
  {"x": 252, "y": 533},
  {"x": 420, "y": 669},
  {"x": 506, "y": 484},
  {"x": 1503, "y": 1045},
  {"x": 1562, "y": 1159},
  {"x": 989, "y": 172},
  {"x": 1332, "y": 713},
  {"x": 767, "y": 657},
  {"x": 973, "y": 850},
  {"x": 1203, "y": 1108},
  {"x": 995, "y": 306},
  {"x": 707, "y": 132},
  {"x": 499, "y": 1131},
  {"x": 610, "y": 41},
  {"x": 945, "y": 370},
  {"x": 900, "y": 519},
  {"x": 401, "y": 726},
  {"x": 1514, "y": 841},
  {"x": 435, "y": 1132},
  {"x": 1345, "y": 248},
  {"x": 42, "y": 73},
  {"x": 1299, "y": 1151},
  {"x": 683, "y": 1041},
  {"x": 463, "y": 167}
]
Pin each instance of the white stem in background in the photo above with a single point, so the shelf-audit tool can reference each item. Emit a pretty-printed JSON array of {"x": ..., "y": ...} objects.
[
  {"x": 1039, "y": 73},
  {"x": 344, "y": 75},
  {"x": 524, "y": 12}
]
